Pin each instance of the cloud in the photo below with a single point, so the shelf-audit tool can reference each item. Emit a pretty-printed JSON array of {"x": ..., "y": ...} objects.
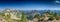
[{"x": 57, "y": 1}]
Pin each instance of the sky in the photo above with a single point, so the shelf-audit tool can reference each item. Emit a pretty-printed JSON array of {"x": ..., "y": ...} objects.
[{"x": 31, "y": 4}]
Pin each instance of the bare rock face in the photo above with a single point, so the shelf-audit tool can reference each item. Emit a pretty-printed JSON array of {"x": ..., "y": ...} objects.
[
  {"x": 35, "y": 20},
  {"x": 2, "y": 19},
  {"x": 46, "y": 18}
]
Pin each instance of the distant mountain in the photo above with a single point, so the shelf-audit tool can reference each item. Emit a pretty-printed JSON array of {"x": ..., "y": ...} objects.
[{"x": 31, "y": 13}]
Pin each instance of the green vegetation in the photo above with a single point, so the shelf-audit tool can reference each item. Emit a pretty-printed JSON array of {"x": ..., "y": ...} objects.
[
  {"x": 52, "y": 15},
  {"x": 23, "y": 17}
]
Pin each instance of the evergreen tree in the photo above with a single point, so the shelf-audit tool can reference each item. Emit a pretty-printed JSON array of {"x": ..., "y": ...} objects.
[{"x": 23, "y": 17}]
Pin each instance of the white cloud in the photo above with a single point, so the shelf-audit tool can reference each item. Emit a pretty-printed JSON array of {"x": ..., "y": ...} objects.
[{"x": 57, "y": 1}]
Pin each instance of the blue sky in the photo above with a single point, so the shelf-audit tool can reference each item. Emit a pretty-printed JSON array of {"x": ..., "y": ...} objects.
[{"x": 31, "y": 5}]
